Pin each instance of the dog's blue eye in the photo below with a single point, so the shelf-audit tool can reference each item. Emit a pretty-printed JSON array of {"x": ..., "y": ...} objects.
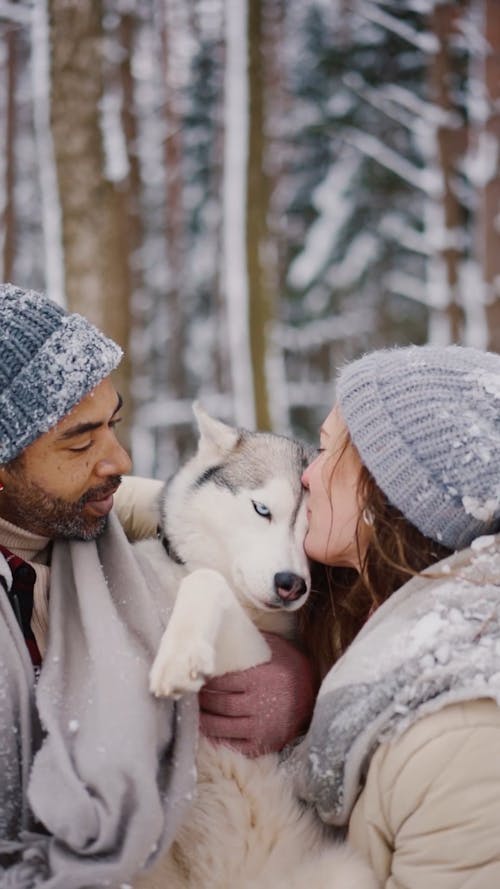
[{"x": 261, "y": 509}]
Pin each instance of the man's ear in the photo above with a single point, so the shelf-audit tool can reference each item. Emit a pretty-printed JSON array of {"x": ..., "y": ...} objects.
[{"x": 216, "y": 438}]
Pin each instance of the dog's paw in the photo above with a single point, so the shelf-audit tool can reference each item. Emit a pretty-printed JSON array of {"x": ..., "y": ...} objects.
[{"x": 176, "y": 672}]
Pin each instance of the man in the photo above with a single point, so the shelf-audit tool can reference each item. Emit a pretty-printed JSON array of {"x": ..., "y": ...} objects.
[{"x": 94, "y": 772}]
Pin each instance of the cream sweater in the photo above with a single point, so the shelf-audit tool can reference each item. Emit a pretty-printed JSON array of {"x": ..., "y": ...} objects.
[{"x": 36, "y": 551}]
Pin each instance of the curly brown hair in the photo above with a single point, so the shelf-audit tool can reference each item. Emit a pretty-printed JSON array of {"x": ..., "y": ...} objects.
[{"x": 342, "y": 599}]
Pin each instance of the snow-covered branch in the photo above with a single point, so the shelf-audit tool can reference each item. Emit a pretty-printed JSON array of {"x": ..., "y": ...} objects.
[
  {"x": 165, "y": 413},
  {"x": 408, "y": 286},
  {"x": 425, "y": 180},
  {"x": 426, "y": 42},
  {"x": 330, "y": 200},
  {"x": 481, "y": 164},
  {"x": 393, "y": 225},
  {"x": 428, "y": 111},
  {"x": 324, "y": 330}
]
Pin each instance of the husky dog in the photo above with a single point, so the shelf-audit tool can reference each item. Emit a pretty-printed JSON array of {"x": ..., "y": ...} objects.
[{"x": 233, "y": 521}]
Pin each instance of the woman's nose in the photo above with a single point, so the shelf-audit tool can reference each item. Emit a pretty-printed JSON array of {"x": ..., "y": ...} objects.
[{"x": 305, "y": 479}]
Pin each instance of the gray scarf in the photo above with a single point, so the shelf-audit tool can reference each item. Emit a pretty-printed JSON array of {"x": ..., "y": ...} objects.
[
  {"x": 108, "y": 783},
  {"x": 434, "y": 642}
]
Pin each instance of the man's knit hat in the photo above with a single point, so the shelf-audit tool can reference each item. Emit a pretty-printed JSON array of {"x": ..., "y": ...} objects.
[
  {"x": 49, "y": 360},
  {"x": 426, "y": 423}
]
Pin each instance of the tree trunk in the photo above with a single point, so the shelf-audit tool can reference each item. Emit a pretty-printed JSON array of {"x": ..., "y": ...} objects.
[
  {"x": 93, "y": 222},
  {"x": 174, "y": 217},
  {"x": 132, "y": 188},
  {"x": 451, "y": 145},
  {"x": 9, "y": 217},
  {"x": 235, "y": 188},
  {"x": 257, "y": 209},
  {"x": 488, "y": 234},
  {"x": 174, "y": 360},
  {"x": 221, "y": 357}
]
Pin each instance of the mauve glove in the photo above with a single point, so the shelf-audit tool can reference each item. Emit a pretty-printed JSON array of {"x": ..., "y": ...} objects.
[{"x": 261, "y": 709}]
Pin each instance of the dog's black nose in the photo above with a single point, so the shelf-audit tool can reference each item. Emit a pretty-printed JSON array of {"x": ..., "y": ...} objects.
[{"x": 289, "y": 587}]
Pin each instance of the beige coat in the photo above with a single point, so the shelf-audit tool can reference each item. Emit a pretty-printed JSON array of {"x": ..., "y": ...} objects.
[
  {"x": 136, "y": 503},
  {"x": 429, "y": 814},
  {"x": 417, "y": 697}
]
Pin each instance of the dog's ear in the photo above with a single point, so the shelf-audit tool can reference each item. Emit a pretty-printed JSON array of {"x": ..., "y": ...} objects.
[{"x": 216, "y": 437}]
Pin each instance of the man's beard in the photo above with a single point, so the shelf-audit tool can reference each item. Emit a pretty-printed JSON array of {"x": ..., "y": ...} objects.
[{"x": 55, "y": 518}]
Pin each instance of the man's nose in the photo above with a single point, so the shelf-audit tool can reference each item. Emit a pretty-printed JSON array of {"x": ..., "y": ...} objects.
[{"x": 115, "y": 462}]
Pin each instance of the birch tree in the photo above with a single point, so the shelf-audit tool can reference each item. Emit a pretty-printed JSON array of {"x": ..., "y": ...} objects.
[
  {"x": 258, "y": 247},
  {"x": 235, "y": 281},
  {"x": 9, "y": 65}
]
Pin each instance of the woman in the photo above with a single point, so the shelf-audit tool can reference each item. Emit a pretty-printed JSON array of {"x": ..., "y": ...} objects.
[{"x": 404, "y": 747}]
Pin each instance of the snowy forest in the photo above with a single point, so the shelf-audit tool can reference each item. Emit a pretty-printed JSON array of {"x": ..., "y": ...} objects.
[{"x": 247, "y": 193}]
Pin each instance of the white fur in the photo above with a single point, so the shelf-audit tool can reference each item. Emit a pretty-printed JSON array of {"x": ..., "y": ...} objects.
[{"x": 245, "y": 829}]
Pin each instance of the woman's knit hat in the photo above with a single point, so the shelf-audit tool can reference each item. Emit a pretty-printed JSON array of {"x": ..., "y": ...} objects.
[
  {"x": 49, "y": 360},
  {"x": 426, "y": 423}
]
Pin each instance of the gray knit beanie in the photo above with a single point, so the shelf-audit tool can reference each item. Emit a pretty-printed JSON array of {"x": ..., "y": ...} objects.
[
  {"x": 426, "y": 423},
  {"x": 49, "y": 360}
]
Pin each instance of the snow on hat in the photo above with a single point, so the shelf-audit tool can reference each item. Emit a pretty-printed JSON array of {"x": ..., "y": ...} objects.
[
  {"x": 49, "y": 360},
  {"x": 426, "y": 423}
]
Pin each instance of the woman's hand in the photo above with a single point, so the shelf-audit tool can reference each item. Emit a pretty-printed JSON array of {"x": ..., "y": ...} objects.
[{"x": 261, "y": 709}]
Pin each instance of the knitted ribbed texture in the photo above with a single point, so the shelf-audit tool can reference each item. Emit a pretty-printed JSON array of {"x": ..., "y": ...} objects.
[
  {"x": 49, "y": 360},
  {"x": 426, "y": 423}
]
